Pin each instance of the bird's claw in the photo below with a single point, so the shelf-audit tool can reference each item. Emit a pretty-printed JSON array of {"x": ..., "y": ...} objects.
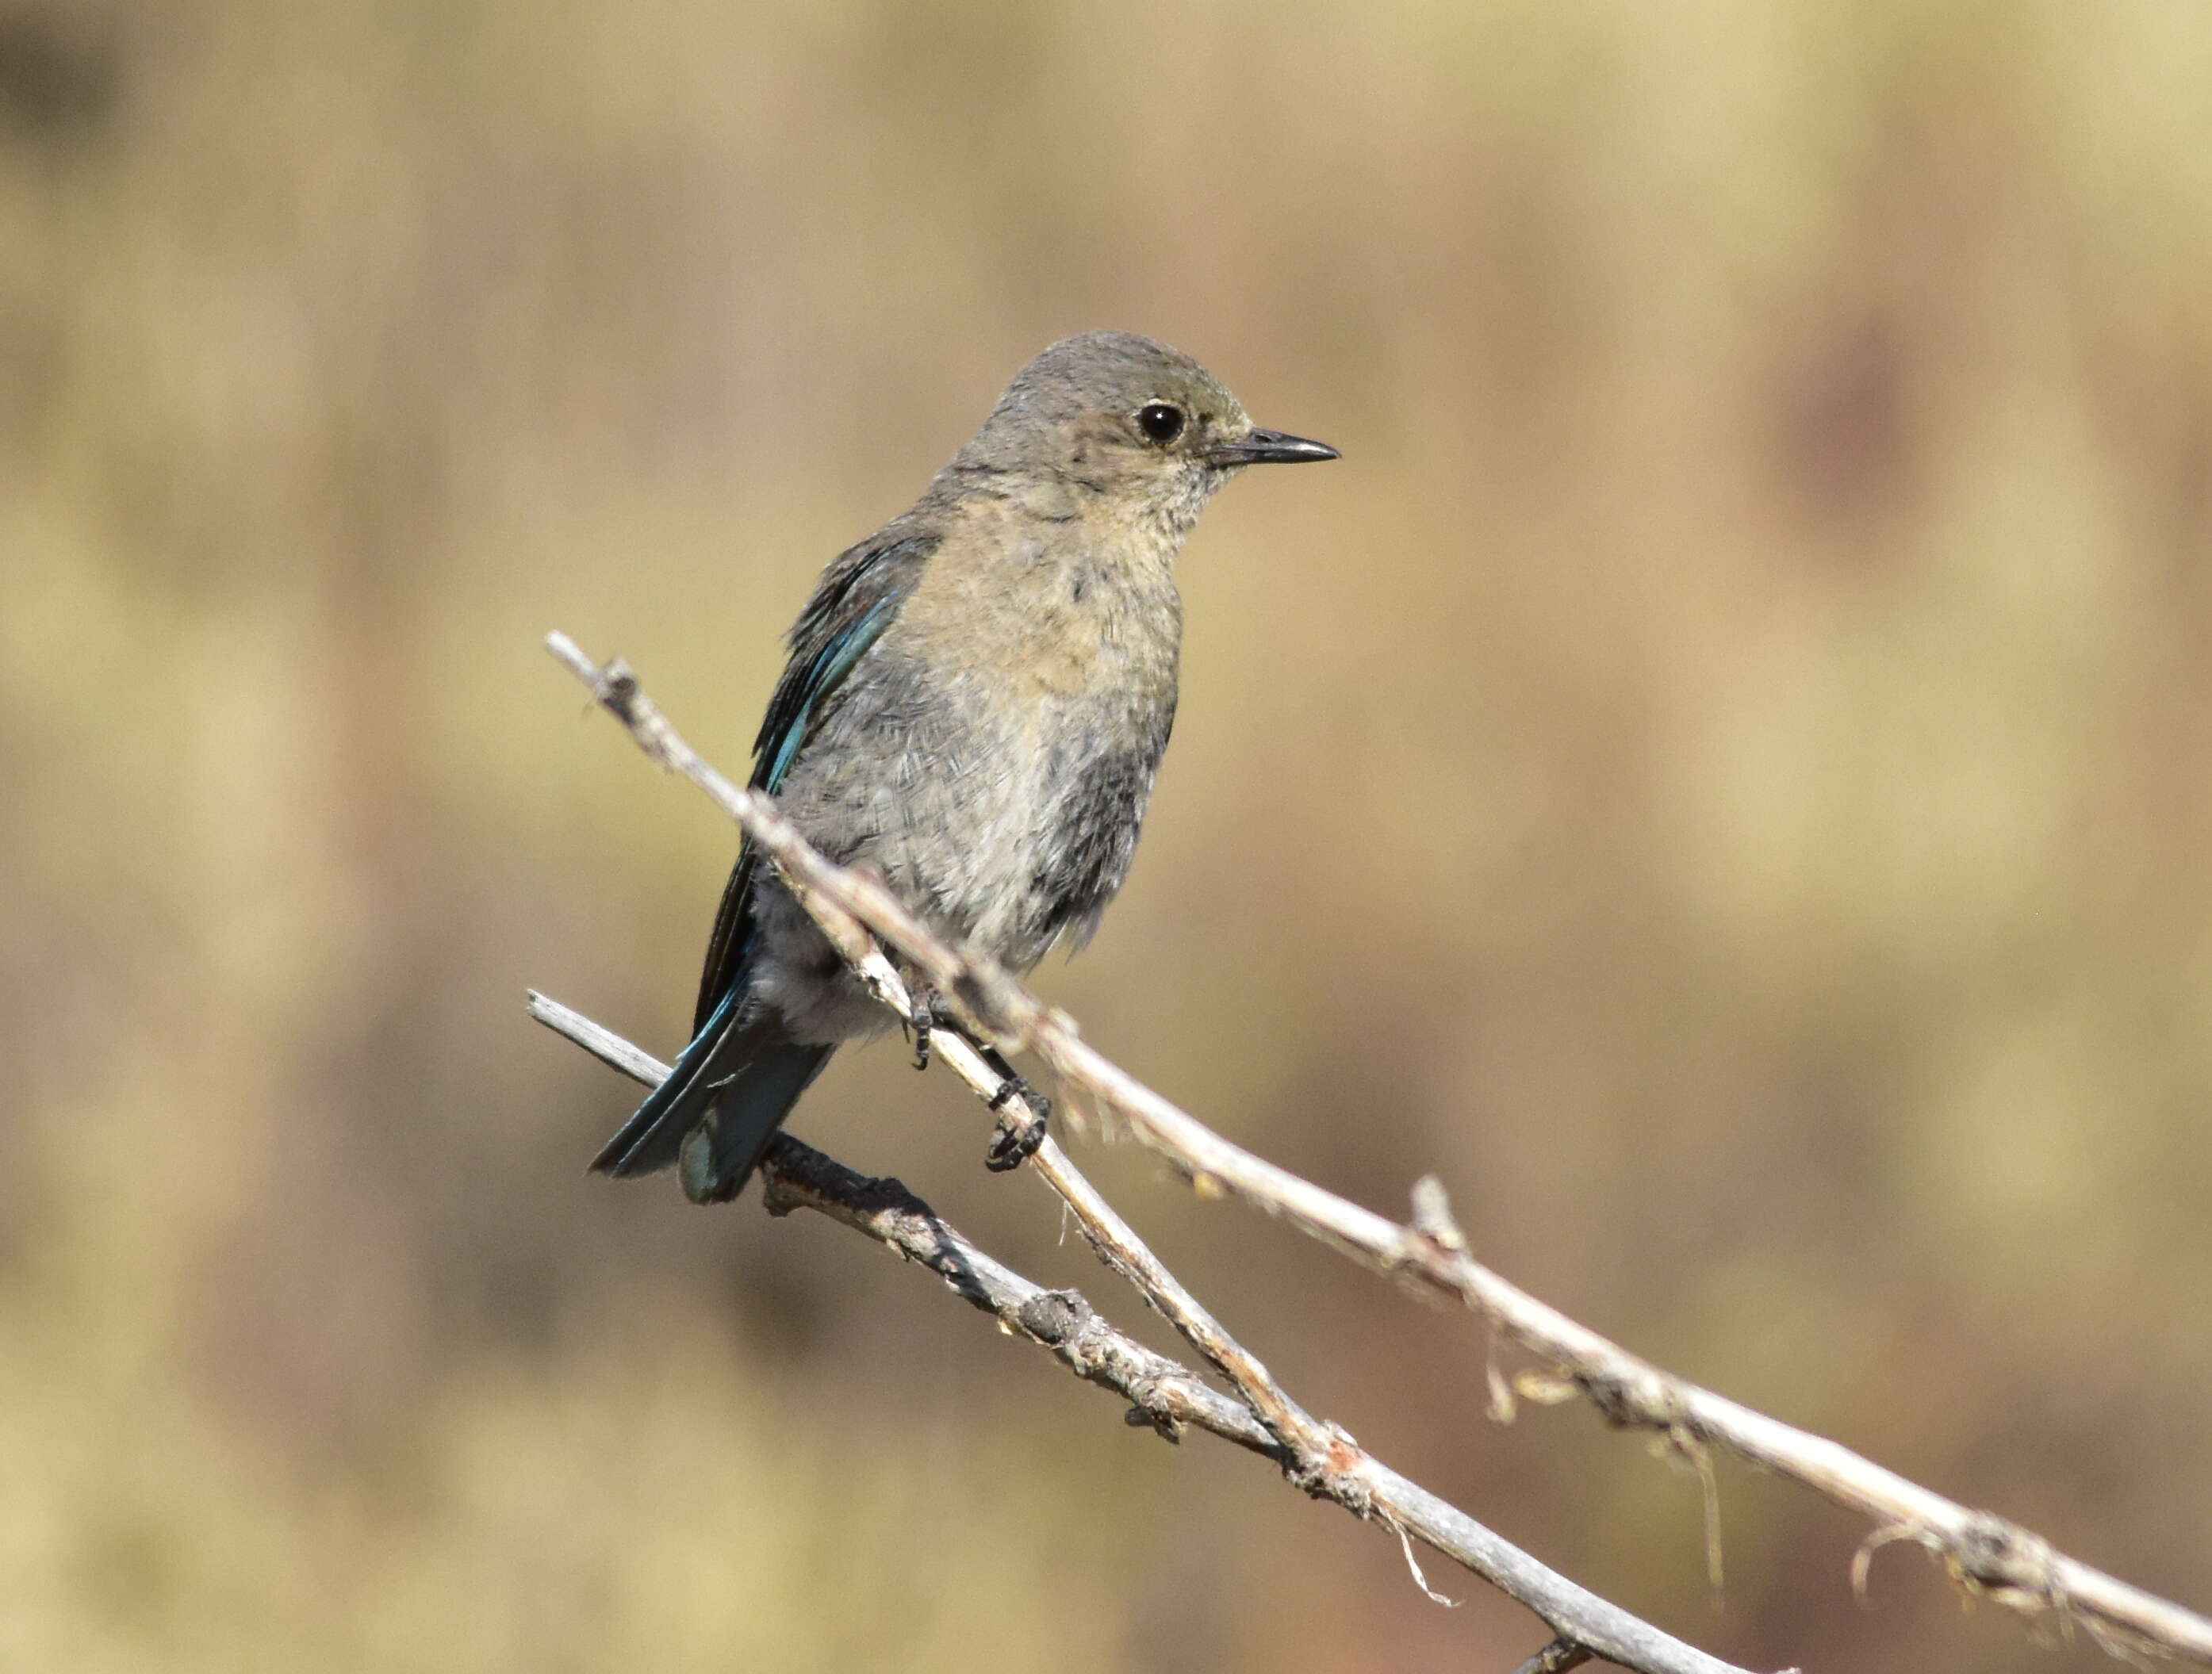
[{"x": 1017, "y": 1138}]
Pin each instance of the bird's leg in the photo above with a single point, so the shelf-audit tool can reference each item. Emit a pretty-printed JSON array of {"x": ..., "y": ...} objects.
[
  {"x": 922, "y": 1006},
  {"x": 1012, "y": 1144},
  {"x": 1015, "y": 1141}
]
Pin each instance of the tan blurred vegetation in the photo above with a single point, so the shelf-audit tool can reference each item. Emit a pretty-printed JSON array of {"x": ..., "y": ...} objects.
[{"x": 1720, "y": 773}]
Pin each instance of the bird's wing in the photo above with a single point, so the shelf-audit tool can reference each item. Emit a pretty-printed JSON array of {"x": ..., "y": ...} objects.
[{"x": 855, "y": 600}]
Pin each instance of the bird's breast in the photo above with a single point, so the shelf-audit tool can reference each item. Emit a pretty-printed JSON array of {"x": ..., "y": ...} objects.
[
  {"x": 1041, "y": 693},
  {"x": 1052, "y": 616}
]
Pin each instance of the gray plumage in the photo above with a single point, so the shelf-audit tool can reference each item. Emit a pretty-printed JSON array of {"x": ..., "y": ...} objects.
[{"x": 976, "y": 703}]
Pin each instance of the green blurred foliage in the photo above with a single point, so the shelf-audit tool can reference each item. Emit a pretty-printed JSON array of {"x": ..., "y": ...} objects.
[{"x": 1719, "y": 772}]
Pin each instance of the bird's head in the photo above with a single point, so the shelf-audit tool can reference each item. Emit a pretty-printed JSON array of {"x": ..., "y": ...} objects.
[{"x": 1120, "y": 419}]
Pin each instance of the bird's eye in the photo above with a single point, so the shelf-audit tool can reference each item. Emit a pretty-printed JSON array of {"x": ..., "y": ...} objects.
[{"x": 1162, "y": 423}]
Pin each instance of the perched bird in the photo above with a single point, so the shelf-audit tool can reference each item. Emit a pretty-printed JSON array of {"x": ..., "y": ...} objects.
[{"x": 976, "y": 702}]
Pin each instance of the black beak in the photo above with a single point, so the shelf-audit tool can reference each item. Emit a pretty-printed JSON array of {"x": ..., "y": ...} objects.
[{"x": 1269, "y": 447}]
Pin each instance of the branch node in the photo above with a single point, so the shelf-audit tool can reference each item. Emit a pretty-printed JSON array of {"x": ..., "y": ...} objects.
[
  {"x": 1162, "y": 1424},
  {"x": 1634, "y": 1399},
  {"x": 1991, "y": 1555},
  {"x": 1345, "y": 1453},
  {"x": 1557, "y": 1658},
  {"x": 1335, "y": 1472},
  {"x": 1056, "y": 1318},
  {"x": 617, "y": 688},
  {"x": 1548, "y": 1386},
  {"x": 1432, "y": 1216}
]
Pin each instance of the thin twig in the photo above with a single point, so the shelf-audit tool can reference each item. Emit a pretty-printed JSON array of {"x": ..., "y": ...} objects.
[
  {"x": 1984, "y": 1553},
  {"x": 1164, "y": 1395}
]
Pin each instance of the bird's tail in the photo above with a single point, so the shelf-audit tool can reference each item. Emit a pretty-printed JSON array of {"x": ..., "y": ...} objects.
[{"x": 722, "y": 1102}]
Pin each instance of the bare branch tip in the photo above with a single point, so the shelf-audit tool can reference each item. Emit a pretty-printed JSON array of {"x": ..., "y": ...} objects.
[{"x": 567, "y": 650}]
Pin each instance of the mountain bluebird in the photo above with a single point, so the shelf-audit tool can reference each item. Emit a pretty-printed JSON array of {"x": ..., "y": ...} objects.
[{"x": 976, "y": 702}]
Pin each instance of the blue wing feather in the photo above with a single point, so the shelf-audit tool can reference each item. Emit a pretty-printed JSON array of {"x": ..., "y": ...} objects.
[
  {"x": 825, "y": 670},
  {"x": 858, "y": 597}
]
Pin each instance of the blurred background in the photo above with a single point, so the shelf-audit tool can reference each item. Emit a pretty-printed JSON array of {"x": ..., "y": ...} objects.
[{"x": 1719, "y": 773}]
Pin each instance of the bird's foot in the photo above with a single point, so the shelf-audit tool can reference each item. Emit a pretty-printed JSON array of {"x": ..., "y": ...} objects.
[
  {"x": 922, "y": 1004},
  {"x": 1017, "y": 1138}
]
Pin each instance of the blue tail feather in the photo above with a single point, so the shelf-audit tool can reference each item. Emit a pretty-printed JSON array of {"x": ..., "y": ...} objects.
[
  {"x": 718, "y": 1156},
  {"x": 733, "y": 1084}
]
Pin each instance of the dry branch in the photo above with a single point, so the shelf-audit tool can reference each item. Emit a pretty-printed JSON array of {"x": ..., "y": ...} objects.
[
  {"x": 1984, "y": 1553},
  {"x": 1167, "y": 1397}
]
